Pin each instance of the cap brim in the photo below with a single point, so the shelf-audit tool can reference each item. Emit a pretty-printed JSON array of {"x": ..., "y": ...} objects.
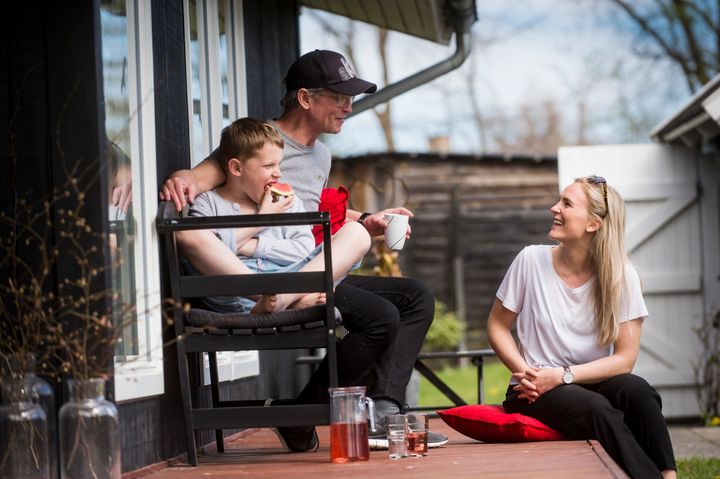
[{"x": 352, "y": 87}]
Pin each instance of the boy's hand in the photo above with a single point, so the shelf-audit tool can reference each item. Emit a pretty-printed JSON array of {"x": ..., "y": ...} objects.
[{"x": 280, "y": 206}]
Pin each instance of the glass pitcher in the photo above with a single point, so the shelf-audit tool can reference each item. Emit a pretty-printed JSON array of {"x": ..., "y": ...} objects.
[{"x": 349, "y": 424}]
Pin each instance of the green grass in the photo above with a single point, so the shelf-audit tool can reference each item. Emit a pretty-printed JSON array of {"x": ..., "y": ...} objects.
[
  {"x": 495, "y": 379},
  {"x": 699, "y": 468},
  {"x": 464, "y": 382}
]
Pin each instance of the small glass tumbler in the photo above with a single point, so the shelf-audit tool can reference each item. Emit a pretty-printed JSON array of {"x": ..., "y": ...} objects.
[
  {"x": 417, "y": 434},
  {"x": 397, "y": 436}
]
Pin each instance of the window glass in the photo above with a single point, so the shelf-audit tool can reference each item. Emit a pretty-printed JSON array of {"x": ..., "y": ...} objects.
[
  {"x": 117, "y": 113},
  {"x": 223, "y": 50},
  {"x": 216, "y": 78},
  {"x": 196, "y": 125},
  {"x": 127, "y": 69}
]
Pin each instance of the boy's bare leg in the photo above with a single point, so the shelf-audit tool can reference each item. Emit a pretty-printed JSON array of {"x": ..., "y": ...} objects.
[
  {"x": 210, "y": 256},
  {"x": 349, "y": 245}
]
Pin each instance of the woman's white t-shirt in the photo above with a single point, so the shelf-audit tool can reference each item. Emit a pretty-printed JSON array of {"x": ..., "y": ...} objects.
[{"x": 556, "y": 323}]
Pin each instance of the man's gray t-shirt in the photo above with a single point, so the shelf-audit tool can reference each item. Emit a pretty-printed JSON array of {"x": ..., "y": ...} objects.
[{"x": 305, "y": 168}]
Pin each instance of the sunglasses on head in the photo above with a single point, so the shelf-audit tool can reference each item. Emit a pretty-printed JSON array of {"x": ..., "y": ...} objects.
[{"x": 599, "y": 180}]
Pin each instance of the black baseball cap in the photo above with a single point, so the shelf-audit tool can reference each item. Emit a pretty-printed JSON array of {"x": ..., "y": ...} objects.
[{"x": 326, "y": 69}]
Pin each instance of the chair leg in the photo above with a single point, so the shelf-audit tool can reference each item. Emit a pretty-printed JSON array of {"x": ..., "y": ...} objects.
[
  {"x": 215, "y": 393},
  {"x": 184, "y": 374}
]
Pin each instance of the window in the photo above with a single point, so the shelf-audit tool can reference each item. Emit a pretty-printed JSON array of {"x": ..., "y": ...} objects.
[
  {"x": 216, "y": 97},
  {"x": 216, "y": 73},
  {"x": 126, "y": 40}
]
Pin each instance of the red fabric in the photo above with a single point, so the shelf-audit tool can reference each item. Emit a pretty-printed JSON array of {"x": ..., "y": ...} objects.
[
  {"x": 492, "y": 424},
  {"x": 334, "y": 200}
]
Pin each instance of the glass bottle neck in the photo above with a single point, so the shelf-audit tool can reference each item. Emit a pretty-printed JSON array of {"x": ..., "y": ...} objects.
[{"x": 87, "y": 389}]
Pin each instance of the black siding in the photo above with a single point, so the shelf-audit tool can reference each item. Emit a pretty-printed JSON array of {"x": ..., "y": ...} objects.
[{"x": 271, "y": 45}]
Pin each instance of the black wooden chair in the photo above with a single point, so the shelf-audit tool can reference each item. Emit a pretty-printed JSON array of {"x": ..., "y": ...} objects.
[{"x": 198, "y": 330}]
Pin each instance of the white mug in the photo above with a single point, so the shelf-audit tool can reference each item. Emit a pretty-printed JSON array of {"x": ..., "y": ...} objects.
[{"x": 396, "y": 230}]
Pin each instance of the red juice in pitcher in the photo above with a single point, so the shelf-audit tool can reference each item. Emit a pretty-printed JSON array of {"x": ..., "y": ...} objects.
[{"x": 349, "y": 442}]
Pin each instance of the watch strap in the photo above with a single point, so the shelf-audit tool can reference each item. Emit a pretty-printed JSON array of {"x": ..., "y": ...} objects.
[{"x": 363, "y": 216}]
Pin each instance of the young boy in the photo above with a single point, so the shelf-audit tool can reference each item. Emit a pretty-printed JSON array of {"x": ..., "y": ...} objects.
[{"x": 250, "y": 153}]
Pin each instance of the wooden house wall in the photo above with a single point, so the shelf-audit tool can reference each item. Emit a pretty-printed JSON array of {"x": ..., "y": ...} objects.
[{"x": 481, "y": 210}]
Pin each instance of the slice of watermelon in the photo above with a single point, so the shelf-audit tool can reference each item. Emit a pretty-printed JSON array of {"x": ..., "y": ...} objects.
[{"x": 279, "y": 190}]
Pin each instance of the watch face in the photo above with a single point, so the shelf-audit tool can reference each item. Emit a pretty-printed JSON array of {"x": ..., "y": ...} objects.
[{"x": 568, "y": 377}]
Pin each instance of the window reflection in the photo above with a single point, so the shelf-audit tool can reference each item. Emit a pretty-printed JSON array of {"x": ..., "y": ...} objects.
[
  {"x": 223, "y": 51},
  {"x": 196, "y": 125},
  {"x": 211, "y": 73},
  {"x": 114, "y": 37}
]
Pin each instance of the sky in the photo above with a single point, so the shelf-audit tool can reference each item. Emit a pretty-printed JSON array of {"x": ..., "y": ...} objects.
[{"x": 525, "y": 53}]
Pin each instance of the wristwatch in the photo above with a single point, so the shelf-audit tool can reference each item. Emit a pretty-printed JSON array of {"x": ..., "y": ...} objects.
[
  {"x": 363, "y": 216},
  {"x": 568, "y": 376}
]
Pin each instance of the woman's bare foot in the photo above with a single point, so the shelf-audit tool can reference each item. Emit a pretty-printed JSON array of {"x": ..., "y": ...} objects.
[
  {"x": 310, "y": 299},
  {"x": 266, "y": 304}
]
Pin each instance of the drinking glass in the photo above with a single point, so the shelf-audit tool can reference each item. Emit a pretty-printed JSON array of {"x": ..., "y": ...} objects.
[
  {"x": 397, "y": 436},
  {"x": 417, "y": 434}
]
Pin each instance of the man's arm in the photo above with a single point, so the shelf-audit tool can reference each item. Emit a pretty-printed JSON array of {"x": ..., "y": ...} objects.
[{"x": 188, "y": 183}]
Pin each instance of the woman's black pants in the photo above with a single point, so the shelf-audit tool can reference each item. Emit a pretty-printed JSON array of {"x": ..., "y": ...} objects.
[{"x": 623, "y": 413}]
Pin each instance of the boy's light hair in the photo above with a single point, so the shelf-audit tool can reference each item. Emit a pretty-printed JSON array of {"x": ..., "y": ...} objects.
[{"x": 242, "y": 138}]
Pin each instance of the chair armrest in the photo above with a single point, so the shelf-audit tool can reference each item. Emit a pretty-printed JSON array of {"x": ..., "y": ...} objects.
[{"x": 168, "y": 220}]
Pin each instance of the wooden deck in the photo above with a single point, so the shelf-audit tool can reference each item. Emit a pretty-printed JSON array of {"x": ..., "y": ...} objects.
[{"x": 260, "y": 455}]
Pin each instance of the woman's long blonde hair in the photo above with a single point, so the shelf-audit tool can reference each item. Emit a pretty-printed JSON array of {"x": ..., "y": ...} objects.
[{"x": 607, "y": 255}]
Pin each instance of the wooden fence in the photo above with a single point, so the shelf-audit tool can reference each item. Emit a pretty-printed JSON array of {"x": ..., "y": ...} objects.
[{"x": 472, "y": 216}]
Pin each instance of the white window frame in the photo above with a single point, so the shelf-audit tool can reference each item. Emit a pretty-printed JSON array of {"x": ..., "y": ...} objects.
[
  {"x": 231, "y": 364},
  {"x": 142, "y": 375}
]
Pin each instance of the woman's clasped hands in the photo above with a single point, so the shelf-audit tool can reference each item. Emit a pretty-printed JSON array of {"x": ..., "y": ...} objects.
[{"x": 534, "y": 382}]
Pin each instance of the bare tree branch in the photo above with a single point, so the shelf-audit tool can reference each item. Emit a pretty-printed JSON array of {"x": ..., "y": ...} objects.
[
  {"x": 346, "y": 38},
  {"x": 681, "y": 30}
]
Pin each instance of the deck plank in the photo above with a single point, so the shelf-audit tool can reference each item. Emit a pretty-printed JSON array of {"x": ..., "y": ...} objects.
[{"x": 260, "y": 455}]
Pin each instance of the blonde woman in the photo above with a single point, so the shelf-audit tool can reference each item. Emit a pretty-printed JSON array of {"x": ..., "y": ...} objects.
[{"x": 579, "y": 310}]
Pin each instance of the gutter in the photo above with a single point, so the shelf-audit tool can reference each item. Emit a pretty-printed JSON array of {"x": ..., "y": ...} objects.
[{"x": 461, "y": 14}]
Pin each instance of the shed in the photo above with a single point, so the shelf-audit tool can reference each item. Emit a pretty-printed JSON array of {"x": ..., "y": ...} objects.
[
  {"x": 473, "y": 214},
  {"x": 672, "y": 196}
]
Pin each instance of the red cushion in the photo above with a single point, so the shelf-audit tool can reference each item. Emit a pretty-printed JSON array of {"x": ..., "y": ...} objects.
[{"x": 492, "y": 424}]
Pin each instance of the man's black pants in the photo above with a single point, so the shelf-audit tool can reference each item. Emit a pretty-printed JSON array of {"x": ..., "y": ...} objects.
[
  {"x": 623, "y": 413},
  {"x": 387, "y": 319}
]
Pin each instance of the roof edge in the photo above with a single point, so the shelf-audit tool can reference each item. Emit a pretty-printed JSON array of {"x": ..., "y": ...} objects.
[{"x": 692, "y": 108}]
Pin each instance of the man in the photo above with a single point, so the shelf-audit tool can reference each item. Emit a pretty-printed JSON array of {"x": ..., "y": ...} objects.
[{"x": 387, "y": 317}]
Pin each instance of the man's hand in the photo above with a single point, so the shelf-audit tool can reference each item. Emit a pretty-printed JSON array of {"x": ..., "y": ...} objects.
[
  {"x": 537, "y": 381},
  {"x": 122, "y": 196},
  {"x": 178, "y": 187},
  {"x": 280, "y": 206},
  {"x": 375, "y": 224}
]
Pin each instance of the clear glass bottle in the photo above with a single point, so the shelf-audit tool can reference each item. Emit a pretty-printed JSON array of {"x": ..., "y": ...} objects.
[
  {"x": 89, "y": 434},
  {"x": 42, "y": 393},
  {"x": 23, "y": 434}
]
